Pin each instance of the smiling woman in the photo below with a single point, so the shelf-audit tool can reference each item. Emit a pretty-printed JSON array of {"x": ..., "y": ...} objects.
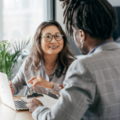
[
  {"x": 49, "y": 44},
  {"x": 44, "y": 70}
]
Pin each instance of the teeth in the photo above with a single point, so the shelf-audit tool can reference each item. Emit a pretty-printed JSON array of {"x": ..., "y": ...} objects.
[{"x": 54, "y": 46}]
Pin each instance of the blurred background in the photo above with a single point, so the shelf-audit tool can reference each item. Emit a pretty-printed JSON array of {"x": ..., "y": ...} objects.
[{"x": 19, "y": 19}]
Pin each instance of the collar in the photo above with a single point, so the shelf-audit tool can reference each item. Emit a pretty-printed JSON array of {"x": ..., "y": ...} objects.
[{"x": 104, "y": 46}]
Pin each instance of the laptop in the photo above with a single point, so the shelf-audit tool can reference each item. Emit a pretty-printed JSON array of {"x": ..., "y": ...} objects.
[{"x": 7, "y": 97}]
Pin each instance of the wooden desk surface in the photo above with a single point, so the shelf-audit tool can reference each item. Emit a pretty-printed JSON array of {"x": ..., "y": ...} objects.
[{"x": 7, "y": 113}]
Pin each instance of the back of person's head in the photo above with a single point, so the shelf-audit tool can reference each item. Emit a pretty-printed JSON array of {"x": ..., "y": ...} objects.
[
  {"x": 65, "y": 56},
  {"x": 95, "y": 17}
]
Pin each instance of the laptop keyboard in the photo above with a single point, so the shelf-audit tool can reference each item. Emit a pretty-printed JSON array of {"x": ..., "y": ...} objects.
[{"x": 21, "y": 105}]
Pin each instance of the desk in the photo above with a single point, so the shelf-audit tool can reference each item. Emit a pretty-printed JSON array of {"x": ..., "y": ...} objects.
[{"x": 7, "y": 113}]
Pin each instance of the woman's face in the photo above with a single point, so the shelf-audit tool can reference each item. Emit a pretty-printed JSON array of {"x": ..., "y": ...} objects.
[{"x": 52, "y": 47}]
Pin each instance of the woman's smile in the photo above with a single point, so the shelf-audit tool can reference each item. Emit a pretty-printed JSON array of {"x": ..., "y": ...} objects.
[{"x": 54, "y": 46}]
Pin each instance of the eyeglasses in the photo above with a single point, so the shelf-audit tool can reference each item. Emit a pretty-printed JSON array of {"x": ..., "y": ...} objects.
[{"x": 57, "y": 37}]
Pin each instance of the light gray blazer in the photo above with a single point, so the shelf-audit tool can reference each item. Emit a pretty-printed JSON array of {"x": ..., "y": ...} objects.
[{"x": 92, "y": 88}]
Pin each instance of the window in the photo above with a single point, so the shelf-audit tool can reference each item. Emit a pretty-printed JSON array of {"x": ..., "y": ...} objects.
[{"x": 20, "y": 18}]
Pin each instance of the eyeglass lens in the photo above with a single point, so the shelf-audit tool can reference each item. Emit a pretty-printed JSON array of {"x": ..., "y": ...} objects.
[{"x": 57, "y": 37}]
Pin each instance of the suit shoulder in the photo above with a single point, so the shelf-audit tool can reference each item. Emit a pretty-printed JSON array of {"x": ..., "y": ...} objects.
[
  {"x": 81, "y": 59},
  {"x": 91, "y": 57},
  {"x": 78, "y": 63}
]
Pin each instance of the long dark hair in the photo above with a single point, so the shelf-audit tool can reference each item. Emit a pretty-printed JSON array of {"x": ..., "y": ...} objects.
[
  {"x": 65, "y": 57},
  {"x": 95, "y": 17}
]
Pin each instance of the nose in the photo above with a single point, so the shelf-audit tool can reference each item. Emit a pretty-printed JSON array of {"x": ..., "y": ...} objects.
[{"x": 53, "y": 39}]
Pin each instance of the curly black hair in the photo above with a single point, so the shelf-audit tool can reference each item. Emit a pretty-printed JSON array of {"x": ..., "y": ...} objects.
[{"x": 95, "y": 17}]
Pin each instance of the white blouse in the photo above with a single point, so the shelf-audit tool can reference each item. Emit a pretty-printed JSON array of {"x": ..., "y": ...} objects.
[{"x": 27, "y": 71}]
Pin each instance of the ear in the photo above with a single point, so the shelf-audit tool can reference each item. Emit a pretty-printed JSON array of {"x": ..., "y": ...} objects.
[{"x": 82, "y": 35}]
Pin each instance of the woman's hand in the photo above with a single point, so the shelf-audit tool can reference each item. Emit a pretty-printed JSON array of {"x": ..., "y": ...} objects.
[
  {"x": 61, "y": 86},
  {"x": 41, "y": 82},
  {"x": 12, "y": 90}
]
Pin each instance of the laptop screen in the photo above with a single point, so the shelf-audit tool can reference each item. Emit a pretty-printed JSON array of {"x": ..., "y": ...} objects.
[{"x": 5, "y": 91}]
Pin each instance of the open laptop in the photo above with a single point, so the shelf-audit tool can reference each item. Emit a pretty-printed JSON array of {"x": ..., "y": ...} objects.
[{"x": 7, "y": 97}]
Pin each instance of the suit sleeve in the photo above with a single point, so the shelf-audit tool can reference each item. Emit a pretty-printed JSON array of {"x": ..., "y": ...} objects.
[{"x": 78, "y": 94}]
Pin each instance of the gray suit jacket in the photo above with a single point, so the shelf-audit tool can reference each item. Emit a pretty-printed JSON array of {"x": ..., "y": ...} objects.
[{"x": 92, "y": 88}]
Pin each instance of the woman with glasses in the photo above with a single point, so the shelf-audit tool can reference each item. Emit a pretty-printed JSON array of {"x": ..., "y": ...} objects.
[{"x": 44, "y": 70}]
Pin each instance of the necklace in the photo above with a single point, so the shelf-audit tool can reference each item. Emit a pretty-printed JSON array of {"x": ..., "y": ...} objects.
[{"x": 49, "y": 70}]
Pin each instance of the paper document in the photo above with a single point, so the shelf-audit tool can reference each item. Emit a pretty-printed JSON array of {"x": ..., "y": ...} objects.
[{"x": 46, "y": 100}]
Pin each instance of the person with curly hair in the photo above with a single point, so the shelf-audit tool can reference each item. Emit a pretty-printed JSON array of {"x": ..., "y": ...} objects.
[{"x": 92, "y": 82}]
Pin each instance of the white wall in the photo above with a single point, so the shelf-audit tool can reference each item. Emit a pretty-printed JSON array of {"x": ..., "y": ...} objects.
[
  {"x": 115, "y": 2},
  {"x": 59, "y": 13},
  {"x": 1, "y": 20}
]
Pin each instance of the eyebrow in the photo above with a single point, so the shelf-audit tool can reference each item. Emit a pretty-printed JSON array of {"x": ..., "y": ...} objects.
[{"x": 50, "y": 33}]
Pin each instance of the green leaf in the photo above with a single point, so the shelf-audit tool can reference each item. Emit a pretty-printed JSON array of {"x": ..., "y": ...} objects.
[{"x": 9, "y": 54}]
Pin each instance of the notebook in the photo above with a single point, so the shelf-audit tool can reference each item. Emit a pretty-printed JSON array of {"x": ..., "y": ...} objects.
[{"x": 7, "y": 97}]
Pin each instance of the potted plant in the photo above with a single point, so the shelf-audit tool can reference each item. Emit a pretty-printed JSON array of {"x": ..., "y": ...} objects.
[{"x": 9, "y": 54}]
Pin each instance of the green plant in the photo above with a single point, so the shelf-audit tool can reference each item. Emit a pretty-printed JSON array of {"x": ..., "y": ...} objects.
[{"x": 9, "y": 53}]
